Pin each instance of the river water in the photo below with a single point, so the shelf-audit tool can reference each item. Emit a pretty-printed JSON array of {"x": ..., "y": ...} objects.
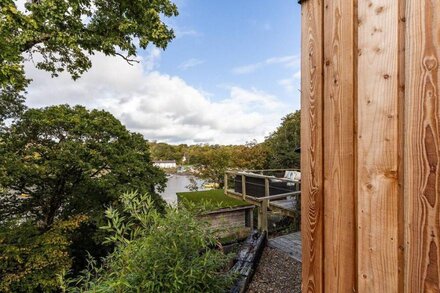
[{"x": 177, "y": 183}]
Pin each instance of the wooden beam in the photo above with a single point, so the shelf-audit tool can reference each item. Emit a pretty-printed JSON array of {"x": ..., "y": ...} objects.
[
  {"x": 422, "y": 151},
  {"x": 339, "y": 149},
  {"x": 239, "y": 196},
  {"x": 264, "y": 215},
  {"x": 311, "y": 146},
  {"x": 378, "y": 146}
]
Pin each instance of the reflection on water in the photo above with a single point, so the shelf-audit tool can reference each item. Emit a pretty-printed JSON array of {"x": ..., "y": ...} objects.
[{"x": 177, "y": 183}]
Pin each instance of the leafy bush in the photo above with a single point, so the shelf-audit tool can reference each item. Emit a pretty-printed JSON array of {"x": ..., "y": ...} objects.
[
  {"x": 156, "y": 253},
  {"x": 32, "y": 260}
]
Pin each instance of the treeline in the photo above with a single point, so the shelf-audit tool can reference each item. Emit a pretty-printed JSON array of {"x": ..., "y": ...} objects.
[{"x": 276, "y": 152}]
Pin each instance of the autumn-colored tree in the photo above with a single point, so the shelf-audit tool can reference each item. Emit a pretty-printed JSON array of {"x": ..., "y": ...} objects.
[
  {"x": 214, "y": 163},
  {"x": 31, "y": 261},
  {"x": 252, "y": 155}
]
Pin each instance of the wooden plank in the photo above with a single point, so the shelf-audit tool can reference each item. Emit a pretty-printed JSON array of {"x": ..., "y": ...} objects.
[
  {"x": 401, "y": 204},
  {"x": 339, "y": 175},
  {"x": 422, "y": 152},
  {"x": 311, "y": 145},
  {"x": 286, "y": 244},
  {"x": 378, "y": 146}
]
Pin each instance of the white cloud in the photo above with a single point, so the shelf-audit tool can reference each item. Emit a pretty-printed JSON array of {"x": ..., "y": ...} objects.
[
  {"x": 245, "y": 69},
  {"x": 287, "y": 61},
  {"x": 291, "y": 83},
  {"x": 160, "y": 106},
  {"x": 193, "y": 62},
  {"x": 184, "y": 32},
  {"x": 152, "y": 59}
]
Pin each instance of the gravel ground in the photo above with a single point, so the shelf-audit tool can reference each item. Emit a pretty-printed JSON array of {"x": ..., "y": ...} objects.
[{"x": 277, "y": 272}]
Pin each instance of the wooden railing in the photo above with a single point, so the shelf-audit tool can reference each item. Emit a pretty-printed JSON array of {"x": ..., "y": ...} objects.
[{"x": 263, "y": 201}]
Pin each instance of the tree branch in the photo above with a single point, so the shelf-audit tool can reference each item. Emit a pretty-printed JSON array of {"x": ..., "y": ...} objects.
[
  {"x": 128, "y": 60},
  {"x": 99, "y": 171},
  {"x": 31, "y": 43}
]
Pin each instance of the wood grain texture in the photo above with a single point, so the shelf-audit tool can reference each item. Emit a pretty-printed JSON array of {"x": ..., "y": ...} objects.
[
  {"x": 422, "y": 141},
  {"x": 311, "y": 146},
  {"x": 339, "y": 109},
  {"x": 378, "y": 146},
  {"x": 400, "y": 172}
]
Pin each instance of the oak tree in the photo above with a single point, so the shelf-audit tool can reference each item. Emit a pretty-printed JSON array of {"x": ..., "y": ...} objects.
[
  {"x": 63, "y": 161},
  {"x": 62, "y": 34}
]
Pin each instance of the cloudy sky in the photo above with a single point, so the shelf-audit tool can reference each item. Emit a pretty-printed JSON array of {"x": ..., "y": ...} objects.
[{"x": 229, "y": 76}]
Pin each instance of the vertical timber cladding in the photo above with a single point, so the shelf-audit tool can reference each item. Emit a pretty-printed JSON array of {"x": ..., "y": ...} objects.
[
  {"x": 371, "y": 145},
  {"x": 378, "y": 146},
  {"x": 339, "y": 113},
  {"x": 311, "y": 146},
  {"x": 422, "y": 147}
]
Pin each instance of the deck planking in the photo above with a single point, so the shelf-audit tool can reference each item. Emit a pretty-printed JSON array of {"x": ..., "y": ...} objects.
[
  {"x": 290, "y": 244},
  {"x": 286, "y": 204}
]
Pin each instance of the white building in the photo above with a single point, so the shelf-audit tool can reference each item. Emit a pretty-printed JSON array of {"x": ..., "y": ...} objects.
[{"x": 165, "y": 164}]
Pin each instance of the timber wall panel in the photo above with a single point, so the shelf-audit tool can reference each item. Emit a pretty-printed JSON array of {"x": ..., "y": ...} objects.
[
  {"x": 422, "y": 144},
  {"x": 378, "y": 145},
  {"x": 370, "y": 145},
  {"x": 311, "y": 141},
  {"x": 339, "y": 200}
]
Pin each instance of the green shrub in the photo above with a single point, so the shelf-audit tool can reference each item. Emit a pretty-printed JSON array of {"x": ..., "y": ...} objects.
[
  {"x": 156, "y": 253},
  {"x": 32, "y": 260}
]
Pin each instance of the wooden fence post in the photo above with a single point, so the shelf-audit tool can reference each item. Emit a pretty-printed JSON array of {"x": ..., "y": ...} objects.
[
  {"x": 263, "y": 207},
  {"x": 243, "y": 186},
  {"x": 226, "y": 183}
]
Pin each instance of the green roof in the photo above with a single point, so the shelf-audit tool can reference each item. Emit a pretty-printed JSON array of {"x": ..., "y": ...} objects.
[{"x": 215, "y": 197}]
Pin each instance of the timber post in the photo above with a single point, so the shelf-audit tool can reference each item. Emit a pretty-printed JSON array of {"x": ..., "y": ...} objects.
[
  {"x": 226, "y": 183},
  {"x": 243, "y": 186}
]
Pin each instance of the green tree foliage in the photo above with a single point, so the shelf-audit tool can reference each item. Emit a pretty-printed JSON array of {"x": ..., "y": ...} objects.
[
  {"x": 213, "y": 164},
  {"x": 164, "y": 151},
  {"x": 156, "y": 253},
  {"x": 252, "y": 155},
  {"x": 61, "y": 161},
  {"x": 62, "y": 34},
  {"x": 282, "y": 143},
  {"x": 31, "y": 261},
  {"x": 276, "y": 152}
]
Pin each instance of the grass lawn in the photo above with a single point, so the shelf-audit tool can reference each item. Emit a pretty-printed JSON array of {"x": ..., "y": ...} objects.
[{"x": 215, "y": 197}]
